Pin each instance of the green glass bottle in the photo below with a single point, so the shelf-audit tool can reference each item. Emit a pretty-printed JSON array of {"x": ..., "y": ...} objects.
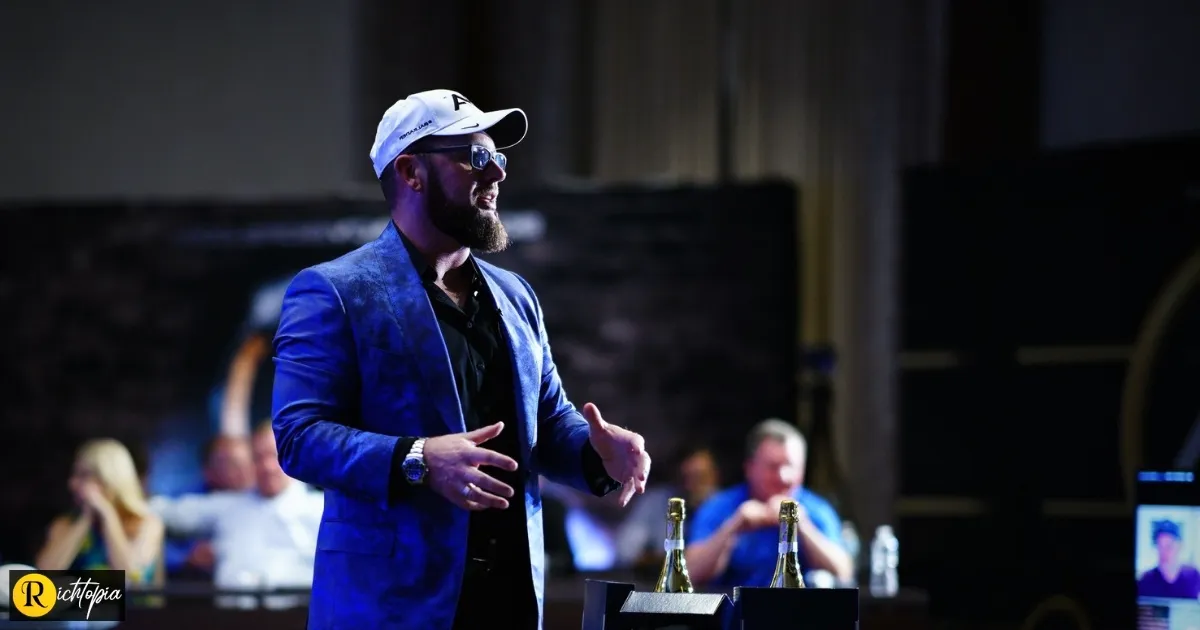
[
  {"x": 674, "y": 575},
  {"x": 787, "y": 564}
]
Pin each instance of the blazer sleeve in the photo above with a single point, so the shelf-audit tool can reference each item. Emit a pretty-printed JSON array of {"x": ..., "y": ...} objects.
[
  {"x": 564, "y": 453},
  {"x": 315, "y": 396}
]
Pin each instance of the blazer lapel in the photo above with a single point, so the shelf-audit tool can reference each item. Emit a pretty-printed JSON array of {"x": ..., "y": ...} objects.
[
  {"x": 526, "y": 372},
  {"x": 413, "y": 314}
]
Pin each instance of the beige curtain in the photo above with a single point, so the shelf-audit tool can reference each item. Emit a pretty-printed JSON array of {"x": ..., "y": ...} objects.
[
  {"x": 655, "y": 87},
  {"x": 836, "y": 95}
]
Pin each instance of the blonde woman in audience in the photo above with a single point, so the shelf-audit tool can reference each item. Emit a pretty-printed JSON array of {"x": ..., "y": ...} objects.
[{"x": 112, "y": 526}]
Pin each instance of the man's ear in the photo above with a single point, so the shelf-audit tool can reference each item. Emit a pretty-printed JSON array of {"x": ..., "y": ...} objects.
[{"x": 410, "y": 171}]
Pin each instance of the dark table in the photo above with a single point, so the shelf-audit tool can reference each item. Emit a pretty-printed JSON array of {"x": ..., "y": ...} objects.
[
  {"x": 563, "y": 611},
  {"x": 909, "y": 610}
]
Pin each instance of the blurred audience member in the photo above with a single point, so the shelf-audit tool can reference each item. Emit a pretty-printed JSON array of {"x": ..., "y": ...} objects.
[
  {"x": 580, "y": 519},
  {"x": 262, "y": 538},
  {"x": 228, "y": 466},
  {"x": 559, "y": 558},
  {"x": 699, "y": 476},
  {"x": 1172, "y": 577},
  {"x": 694, "y": 477},
  {"x": 113, "y": 526},
  {"x": 732, "y": 538}
]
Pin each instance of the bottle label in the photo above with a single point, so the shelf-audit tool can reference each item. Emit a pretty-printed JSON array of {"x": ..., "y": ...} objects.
[
  {"x": 786, "y": 547},
  {"x": 670, "y": 544}
]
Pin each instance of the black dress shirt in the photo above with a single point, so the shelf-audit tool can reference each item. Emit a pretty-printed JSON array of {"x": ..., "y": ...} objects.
[{"x": 482, "y": 364}]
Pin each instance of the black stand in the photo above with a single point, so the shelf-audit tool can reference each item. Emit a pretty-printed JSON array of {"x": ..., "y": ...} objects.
[
  {"x": 602, "y": 603},
  {"x": 808, "y": 608}
]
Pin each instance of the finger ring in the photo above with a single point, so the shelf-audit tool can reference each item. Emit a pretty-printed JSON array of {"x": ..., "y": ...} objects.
[{"x": 466, "y": 490}]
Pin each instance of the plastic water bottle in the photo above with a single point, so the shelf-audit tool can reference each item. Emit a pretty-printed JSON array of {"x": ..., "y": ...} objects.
[{"x": 885, "y": 558}]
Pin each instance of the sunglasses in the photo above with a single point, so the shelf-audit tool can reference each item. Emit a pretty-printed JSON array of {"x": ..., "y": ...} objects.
[{"x": 480, "y": 155}]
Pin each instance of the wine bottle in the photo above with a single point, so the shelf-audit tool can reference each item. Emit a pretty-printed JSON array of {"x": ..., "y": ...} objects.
[
  {"x": 674, "y": 577},
  {"x": 787, "y": 564}
]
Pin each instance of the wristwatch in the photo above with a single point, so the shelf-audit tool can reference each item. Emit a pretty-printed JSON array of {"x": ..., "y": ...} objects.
[{"x": 414, "y": 464}]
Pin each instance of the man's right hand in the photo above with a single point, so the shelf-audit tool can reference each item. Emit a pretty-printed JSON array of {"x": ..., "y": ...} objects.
[
  {"x": 754, "y": 514},
  {"x": 453, "y": 463}
]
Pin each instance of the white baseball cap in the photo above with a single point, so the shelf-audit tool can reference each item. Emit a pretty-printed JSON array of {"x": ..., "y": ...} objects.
[{"x": 440, "y": 113}]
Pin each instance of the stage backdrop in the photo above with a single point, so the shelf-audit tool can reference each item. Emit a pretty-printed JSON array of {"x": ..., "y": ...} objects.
[
  {"x": 1065, "y": 289},
  {"x": 673, "y": 310}
]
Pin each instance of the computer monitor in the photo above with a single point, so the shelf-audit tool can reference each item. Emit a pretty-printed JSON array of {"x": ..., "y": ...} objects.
[{"x": 1167, "y": 551}]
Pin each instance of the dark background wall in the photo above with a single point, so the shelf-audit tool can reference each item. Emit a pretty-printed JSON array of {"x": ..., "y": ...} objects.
[
  {"x": 1029, "y": 434},
  {"x": 193, "y": 98},
  {"x": 223, "y": 98},
  {"x": 1118, "y": 69}
]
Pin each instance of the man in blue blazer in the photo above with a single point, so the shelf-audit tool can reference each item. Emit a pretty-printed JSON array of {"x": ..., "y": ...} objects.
[{"x": 414, "y": 383}]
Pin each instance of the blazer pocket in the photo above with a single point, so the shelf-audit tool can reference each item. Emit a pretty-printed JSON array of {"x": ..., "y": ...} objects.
[{"x": 374, "y": 540}]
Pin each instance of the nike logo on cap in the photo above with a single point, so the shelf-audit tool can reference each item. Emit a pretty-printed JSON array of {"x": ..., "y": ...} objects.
[{"x": 471, "y": 126}]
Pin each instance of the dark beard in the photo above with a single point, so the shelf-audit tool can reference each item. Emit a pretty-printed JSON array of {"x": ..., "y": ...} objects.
[{"x": 468, "y": 225}]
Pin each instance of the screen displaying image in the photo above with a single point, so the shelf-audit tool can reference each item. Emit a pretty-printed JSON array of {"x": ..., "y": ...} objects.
[{"x": 1166, "y": 554}]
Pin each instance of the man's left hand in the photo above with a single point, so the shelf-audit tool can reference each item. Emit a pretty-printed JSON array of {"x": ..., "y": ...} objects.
[{"x": 622, "y": 451}]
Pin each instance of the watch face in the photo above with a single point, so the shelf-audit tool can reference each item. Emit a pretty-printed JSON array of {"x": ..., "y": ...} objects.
[{"x": 414, "y": 470}]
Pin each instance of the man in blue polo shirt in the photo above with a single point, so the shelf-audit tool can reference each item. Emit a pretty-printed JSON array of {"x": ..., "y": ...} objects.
[{"x": 732, "y": 538}]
